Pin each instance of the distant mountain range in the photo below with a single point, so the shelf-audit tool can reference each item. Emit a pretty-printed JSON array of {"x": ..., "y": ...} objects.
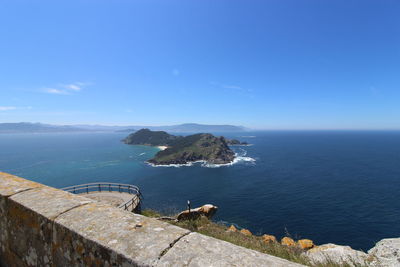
[
  {"x": 26, "y": 127},
  {"x": 200, "y": 128}
]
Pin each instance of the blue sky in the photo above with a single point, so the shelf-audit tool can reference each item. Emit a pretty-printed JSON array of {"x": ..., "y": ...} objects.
[{"x": 271, "y": 64}]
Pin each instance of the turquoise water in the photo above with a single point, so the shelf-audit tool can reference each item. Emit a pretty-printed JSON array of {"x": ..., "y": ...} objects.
[{"x": 339, "y": 187}]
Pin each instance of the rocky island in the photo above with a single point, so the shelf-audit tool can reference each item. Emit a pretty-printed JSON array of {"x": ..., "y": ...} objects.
[
  {"x": 235, "y": 142},
  {"x": 184, "y": 149}
]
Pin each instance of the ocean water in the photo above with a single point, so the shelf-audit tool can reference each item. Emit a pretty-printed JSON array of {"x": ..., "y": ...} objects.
[{"x": 328, "y": 186}]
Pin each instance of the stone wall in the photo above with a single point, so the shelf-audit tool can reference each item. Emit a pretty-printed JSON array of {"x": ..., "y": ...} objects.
[{"x": 44, "y": 226}]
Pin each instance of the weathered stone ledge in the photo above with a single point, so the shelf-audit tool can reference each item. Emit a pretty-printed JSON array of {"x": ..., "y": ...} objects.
[{"x": 44, "y": 226}]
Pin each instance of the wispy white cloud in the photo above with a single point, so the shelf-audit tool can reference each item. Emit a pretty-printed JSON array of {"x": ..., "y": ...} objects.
[
  {"x": 3, "y": 108},
  {"x": 8, "y": 108},
  {"x": 65, "y": 89},
  {"x": 73, "y": 87},
  {"x": 55, "y": 91}
]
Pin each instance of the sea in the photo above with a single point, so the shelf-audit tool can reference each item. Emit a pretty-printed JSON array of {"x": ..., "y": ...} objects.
[{"x": 339, "y": 187}]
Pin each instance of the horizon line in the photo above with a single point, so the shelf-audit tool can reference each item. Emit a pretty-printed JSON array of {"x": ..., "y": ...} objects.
[{"x": 247, "y": 128}]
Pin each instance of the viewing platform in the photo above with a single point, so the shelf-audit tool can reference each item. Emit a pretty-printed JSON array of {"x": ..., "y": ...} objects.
[{"x": 123, "y": 196}]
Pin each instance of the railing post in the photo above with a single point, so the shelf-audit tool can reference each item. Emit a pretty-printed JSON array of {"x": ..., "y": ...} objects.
[
  {"x": 109, "y": 187},
  {"x": 87, "y": 189},
  {"x": 119, "y": 188},
  {"x": 99, "y": 188},
  {"x": 74, "y": 189}
]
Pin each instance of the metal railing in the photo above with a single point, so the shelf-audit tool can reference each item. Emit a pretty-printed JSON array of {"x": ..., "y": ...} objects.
[{"x": 131, "y": 205}]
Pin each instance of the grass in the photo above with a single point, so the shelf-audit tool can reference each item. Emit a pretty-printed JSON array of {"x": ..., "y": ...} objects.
[
  {"x": 212, "y": 229},
  {"x": 150, "y": 213}
]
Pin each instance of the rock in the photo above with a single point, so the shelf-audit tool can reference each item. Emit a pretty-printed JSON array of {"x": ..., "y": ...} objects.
[
  {"x": 287, "y": 241},
  {"x": 386, "y": 253},
  {"x": 246, "y": 232},
  {"x": 186, "y": 215},
  {"x": 232, "y": 228},
  {"x": 196, "y": 250},
  {"x": 269, "y": 238},
  {"x": 305, "y": 243},
  {"x": 207, "y": 210},
  {"x": 336, "y": 254},
  {"x": 235, "y": 142}
]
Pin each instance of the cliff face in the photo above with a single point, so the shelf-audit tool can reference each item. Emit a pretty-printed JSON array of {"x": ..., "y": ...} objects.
[
  {"x": 184, "y": 149},
  {"x": 196, "y": 147}
]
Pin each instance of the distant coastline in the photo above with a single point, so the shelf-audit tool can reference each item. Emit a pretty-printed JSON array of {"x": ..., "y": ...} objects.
[{"x": 27, "y": 127}]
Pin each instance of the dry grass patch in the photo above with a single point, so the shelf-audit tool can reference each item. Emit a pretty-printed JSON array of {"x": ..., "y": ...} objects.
[{"x": 219, "y": 231}]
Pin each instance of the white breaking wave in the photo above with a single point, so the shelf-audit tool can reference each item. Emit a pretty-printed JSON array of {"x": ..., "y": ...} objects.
[
  {"x": 177, "y": 165},
  {"x": 239, "y": 158},
  {"x": 141, "y": 154}
]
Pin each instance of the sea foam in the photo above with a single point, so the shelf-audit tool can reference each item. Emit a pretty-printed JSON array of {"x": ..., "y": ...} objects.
[{"x": 240, "y": 157}]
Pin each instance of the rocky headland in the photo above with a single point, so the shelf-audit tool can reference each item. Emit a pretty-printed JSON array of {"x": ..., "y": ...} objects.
[{"x": 203, "y": 147}]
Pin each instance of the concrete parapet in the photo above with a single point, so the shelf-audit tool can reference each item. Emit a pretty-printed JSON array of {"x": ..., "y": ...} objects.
[{"x": 43, "y": 226}]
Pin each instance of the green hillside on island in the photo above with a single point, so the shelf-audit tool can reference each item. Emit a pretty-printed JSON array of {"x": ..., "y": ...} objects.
[
  {"x": 150, "y": 138},
  {"x": 184, "y": 149}
]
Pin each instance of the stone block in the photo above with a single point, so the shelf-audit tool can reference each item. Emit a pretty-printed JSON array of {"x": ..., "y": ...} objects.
[
  {"x": 199, "y": 250},
  {"x": 10, "y": 184},
  {"x": 97, "y": 233},
  {"x": 29, "y": 222}
]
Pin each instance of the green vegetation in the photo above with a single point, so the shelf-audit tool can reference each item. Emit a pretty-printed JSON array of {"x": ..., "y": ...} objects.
[
  {"x": 150, "y": 138},
  {"x": 184, "y": 149},
  {"x": 150, "y": 213},
  {"x": 194, "y": 148},
  {"x": 219, "y": 231},
  {"x": 235, "y": 142}
]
